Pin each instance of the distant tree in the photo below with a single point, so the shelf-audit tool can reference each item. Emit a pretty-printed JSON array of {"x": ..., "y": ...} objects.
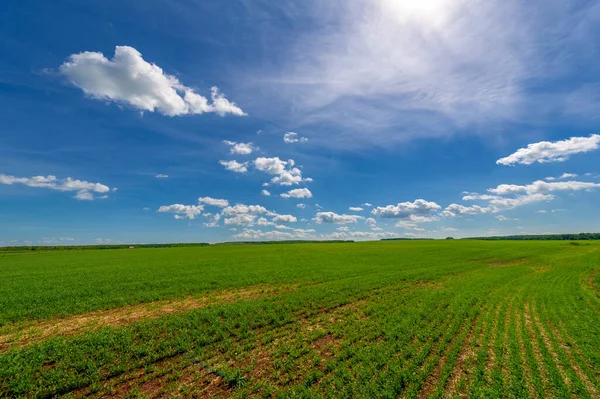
[{"x": 449, "y": 238}]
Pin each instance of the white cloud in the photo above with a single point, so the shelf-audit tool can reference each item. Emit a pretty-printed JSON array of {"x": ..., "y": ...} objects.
[
  {"x": 84, "y": 189},
  {"x": 182, "y": 211},
  {"x": 366, "y": 204},
  {"x": 285, "y": 219},
  {"x": 501, "y": 204},
  {"x": 241, "y": 209},
  {"x": 455, "y": 210},
  {"x": 129, "y": 79},
  {"x": 54, "y": 240},
  {"x": 358, "y": 235},
  {"x": 406, "y": 210},
  {"x": 235, "y": 166},
  {"x": 106, "y": 241},
  {"x": 265, "y": 193},
  {"x": 291, "y": 137},
  {"x": 298, "y": 193},
  {"x": 161, "y": 176},
  {"x": 562, "y": 177},
  {"x": 264, "y": 222},
  {"x": 371, "y": 222},
  {"x": 412, "y": 221},
  {"x": 240, "y": 148},
  {"x": 541, "y": 186},
  {"x": 301, "y": 206},
  {"x": 479, "y": 197},
  {"x": 285, "y": 172},
  {"x": 214, "y": 222},
  {"x": 240, "y": 220},
  {"x": 503, "y": 218},
  {"x": 356, "y": 209},
  {"x": 546, "y": 151},
  {"x": 294, "y": 234},
  {"x": 510, "y": 196},
  {"x": 448, "y": 229},
  {"x": 221, "y": 203},
  {"x": 331, "y": 217}
]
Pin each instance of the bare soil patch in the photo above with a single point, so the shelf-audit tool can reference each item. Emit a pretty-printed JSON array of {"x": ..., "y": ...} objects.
[
  {"x": 512, "y": 262},
  {"x": 128, "y": 314}
]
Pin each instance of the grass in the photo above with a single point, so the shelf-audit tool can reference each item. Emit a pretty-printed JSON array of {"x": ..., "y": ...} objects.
[{"x": 374, "y": 320}]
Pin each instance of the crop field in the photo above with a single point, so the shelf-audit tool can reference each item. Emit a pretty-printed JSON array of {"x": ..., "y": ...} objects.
[{"x": 399, "y": 319}]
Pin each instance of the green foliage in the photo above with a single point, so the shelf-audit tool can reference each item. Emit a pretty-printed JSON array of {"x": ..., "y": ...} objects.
[
  {"x": 367, "y": 320},
  {"x": 554, "y": 237}
]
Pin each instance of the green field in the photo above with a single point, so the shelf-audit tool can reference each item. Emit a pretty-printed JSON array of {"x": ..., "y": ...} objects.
[{"x": 345, "y": 320}]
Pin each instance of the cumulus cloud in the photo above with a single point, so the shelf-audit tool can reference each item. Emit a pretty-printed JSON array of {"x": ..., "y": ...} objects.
[
  {"x": 293, "y": 234},
  {"x": 161, "y": 176},
  {"x": 285, "y": 219},
  {"x": 245, "y": 215},
  {"x": 510, "y": 196},
  {"x": 285, "y": 172},
  {"x": 500, "y": 204},
  {"x": 240, "y": 148},
  {"x": 541, "y": 186},
  {"x": 128, "y": 79},
  {"x": 240, "y": 220},
  {"x": 331, "y": 217},
  {"x": 355, "y": 209},
  {"x": 264, "y": 222},
  {"x": 291, "y": 137},
  {"x": 84, "y": 190},
  {"x": 412, "y": 221},
  {"x": 359, "y": 235},
  {"x": 241, "y": 209},
  {"x": 562, "y": 177},
  {"x": 546, "y": 151},
  {"x": 214, "y": 221},
  {"x": 265, "y": 193},
  {"x": 301, "y": 206},
  {"x": 366, "y": 204},
  {"x": 182, "y": 211},
  {"x": 235, "y": 166},
  {"x": 298, "y": 193},
  {"x": 222, "y": 203},
  {"x": 406, "y": 210},
  {"x": 455, "y": 210}
]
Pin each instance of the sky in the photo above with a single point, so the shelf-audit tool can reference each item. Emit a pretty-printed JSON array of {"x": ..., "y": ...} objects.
[{"x": 208, "y": 121}]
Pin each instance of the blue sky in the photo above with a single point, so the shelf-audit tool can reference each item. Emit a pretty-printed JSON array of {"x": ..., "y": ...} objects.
[{"x": 446, "y": 118}]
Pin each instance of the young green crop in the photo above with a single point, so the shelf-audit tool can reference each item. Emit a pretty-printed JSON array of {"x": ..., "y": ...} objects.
[{"x": 373, "y": 320}]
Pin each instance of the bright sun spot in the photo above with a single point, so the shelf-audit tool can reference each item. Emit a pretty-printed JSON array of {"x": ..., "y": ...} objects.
[{"x": 427, "y": 13}]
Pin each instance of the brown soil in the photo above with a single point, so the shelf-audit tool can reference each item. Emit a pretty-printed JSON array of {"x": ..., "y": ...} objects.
[
  {"x": 128, "y": 314},
  {"x": 512, "y": 262}
]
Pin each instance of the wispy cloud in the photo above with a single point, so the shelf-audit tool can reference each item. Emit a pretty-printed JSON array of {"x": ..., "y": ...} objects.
[
  {"x": 84, "y": 190},
  {"x": 384, "y": 70}
]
